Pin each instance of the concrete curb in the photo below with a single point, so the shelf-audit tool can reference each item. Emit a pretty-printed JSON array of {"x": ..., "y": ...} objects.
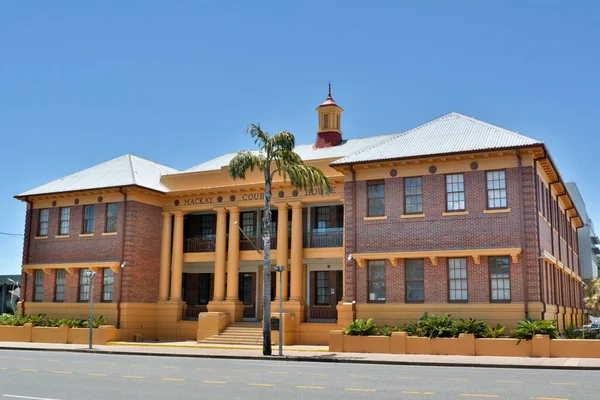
[{"x": 312, "y": 359}]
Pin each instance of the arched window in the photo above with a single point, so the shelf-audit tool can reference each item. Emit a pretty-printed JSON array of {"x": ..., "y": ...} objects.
[{"x": 325, "y": 121}]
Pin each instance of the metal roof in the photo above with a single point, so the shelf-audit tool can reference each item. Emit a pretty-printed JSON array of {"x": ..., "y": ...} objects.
[
  {"x": 121, "y": 171},
  {"x": 452, "y": 133}
]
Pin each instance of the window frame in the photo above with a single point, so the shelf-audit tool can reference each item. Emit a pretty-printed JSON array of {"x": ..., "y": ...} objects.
[
  {"x": 369, "y": 266},
  {"x": 37, "y": 285},
  {"x": 464, "y": 193},
  {"x": 466, "y": 279},
  {"x": 372, "y": 183},
  {"x": 81, "y": 284},
  {"x": 85, "y": 219},
  {"x": 487, "y": 190},
  {"x": 509, "y": 280},
  {"x": 406, "y": 212},
  {"x": 111, "y": 284},
  {"x": 46, "y": 222},
  {"x": 62, "y": 285},
  {"x": 108, "y": 218},
  {"x": 406, "y": 281},
  {"x": 326, "y": 294},
  {"x": 67, "y": 221}
]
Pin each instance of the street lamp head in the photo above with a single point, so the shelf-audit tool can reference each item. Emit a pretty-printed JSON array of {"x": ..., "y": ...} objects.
[
  {"x": 13, "y": 281},
  {"x": 350, "y": 257},
  {"x": 90, "y": 274},
  {"x": 279, "y": 268}
]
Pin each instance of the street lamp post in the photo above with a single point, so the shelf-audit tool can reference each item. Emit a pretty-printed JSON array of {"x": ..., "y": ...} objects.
[
  {"x": 91, "y": 275},
  {"x": 280, "y": 269}
]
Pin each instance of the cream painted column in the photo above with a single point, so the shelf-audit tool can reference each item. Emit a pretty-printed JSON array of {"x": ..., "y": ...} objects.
[
  {"x": 177, "y": 257},
  {"x": 282, "y": 248},
  {"x": 165, "y": 257},
  {"x": 220, "y": 254},
  {"x": 233, "y": 255},
  {"x": 296, "y": 257}
]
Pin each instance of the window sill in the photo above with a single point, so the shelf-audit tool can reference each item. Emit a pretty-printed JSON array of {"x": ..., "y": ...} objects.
[
  {"x": 375, "y": 218},
  {"x": 109, "y": 233},
  {"x": 497, "y": 211},
  {"x": 86, "y": 234},
  {"x": 404, "y": 216},
  {"x": 61, "y": 237},
  {"x": 40, "y": 237},
  {"x": 451, "y": 213}
]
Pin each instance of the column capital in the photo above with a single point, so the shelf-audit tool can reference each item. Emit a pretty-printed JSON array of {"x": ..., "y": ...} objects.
[
  {"x": 179, "y": 213},
  {"x": 296, "y": 204},
  {"x": 281, "y": 205},
  {"x": 167, "y": 214},
  {"x": 234, "y": 209},
  {"x": 220, "y": 210}
]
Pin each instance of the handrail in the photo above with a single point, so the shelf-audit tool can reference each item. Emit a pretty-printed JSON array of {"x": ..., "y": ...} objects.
[{"x": 223, "y": 317}]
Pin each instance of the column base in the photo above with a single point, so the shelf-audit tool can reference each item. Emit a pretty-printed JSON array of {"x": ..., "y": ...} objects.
[{"x": 233, "y": 308}]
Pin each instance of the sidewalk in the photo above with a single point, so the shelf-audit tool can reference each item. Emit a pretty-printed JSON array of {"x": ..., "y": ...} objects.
[{"x": 308, "y": 353}]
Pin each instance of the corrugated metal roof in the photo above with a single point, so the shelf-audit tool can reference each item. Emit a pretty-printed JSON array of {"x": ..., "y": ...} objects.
[
  {"x": 452, "y": 133},
  {"x": 305, "y": 151},
  {"x": 121, "y": 171}
]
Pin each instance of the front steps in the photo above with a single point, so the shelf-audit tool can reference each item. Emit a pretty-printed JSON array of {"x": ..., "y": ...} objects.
[{"x": 239, "y": 333}]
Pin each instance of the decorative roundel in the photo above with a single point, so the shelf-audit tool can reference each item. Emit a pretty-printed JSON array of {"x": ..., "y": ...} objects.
[
  {"x": 281, "y": 194},
  {"x": 474, "y": 165},
  {"x": 176, "y": 202},
  {"x": 232, "y": 198},
  {"x": 76, "y": 201},
  {"x": 393, "y": 172},
  {"x": 54, "y": 203},
  {"x": 99, "y": 199},
  {"x": 219, "y": 199},
  {"x": 295, "y": 193},
  {"x": 432, "y": 169}
]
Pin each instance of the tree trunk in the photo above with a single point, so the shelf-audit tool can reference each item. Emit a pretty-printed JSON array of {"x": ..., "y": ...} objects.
[{"x": 267, "y": 265}]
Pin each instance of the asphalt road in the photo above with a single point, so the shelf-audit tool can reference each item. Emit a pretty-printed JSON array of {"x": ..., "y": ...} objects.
[{"x": 69, "y": 376}]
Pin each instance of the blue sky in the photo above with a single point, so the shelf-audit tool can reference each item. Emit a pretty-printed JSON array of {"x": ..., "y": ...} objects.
[{"x": 177, "y": 82}]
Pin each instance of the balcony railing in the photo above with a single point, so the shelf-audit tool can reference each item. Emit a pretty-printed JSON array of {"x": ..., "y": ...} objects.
[
  {"x": 192, "y": 311},
  {"x": 329, "y": 237},
  {"x": 322, "y": 313},
  {"x": 199, "y": 245}
]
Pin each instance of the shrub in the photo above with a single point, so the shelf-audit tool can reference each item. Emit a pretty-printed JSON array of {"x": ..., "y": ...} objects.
[
  {"x": 41, "y": 320},
  {"x": 494, "y": 333},
  {"x": 388, "y": 330},
  {"x": 436, "y": 327},
  {"x": 362, "y": 328},
  {"x": 475, "y": 327},
  {"x": 585, "y": 333},
  {"x": 529, "y": 327}
]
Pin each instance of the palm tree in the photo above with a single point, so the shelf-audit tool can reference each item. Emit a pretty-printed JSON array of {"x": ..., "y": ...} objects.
[{"x": 276, "y": 156}]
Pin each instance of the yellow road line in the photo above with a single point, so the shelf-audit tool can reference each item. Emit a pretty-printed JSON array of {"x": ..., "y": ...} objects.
[
  {"x": 361, "y": 390},
  {"x": 310, "y": 387},
  {"x": 97, "y": 374},
  {"x": 134, "y": 377},
  {"x": 3, "y": 368},
  {"x": 169, "y": 367},
  {"x": 565, "y": 383},
  {"x": 509, "y": 381},
  {"x": 29, "y": 370},
  {"x": 261, "y": 384},
  {"x": 216, "y": 382},
  {"x": 478, "y": 395},
  {"x": 205, "y": 369},
  {"x": 62, "y": 372},
  {"x": 173, "y": 379},
  {"x": 408, "y": 392}
]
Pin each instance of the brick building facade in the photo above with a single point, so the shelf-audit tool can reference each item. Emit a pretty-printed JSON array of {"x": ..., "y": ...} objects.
[{"x": 454, "y": 216}]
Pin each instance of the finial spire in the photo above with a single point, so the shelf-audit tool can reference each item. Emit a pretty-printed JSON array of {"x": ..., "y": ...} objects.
[{"x": 329, "y": 94}]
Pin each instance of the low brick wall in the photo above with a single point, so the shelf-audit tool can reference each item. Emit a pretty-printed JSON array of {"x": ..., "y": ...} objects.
[
  {"x": 465, "y": 345},
  {"x": 62, "y": 334}
]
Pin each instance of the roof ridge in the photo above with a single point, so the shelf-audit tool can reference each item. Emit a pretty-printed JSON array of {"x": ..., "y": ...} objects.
[
  {"x": 131, "y": 168},
  {"x": 152, "y": 161},
  {"x": 493, "y": 126}
]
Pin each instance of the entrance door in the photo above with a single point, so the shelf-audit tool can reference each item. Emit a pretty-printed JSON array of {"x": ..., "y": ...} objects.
[
  {"x": 248, "y": 294},
  {"x": 325, "y": 293}
]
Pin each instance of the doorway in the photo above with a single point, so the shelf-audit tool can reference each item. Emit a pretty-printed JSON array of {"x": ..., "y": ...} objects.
[
  {"x": 247, "y": 293},
  {"x": 325, "y": 293}
]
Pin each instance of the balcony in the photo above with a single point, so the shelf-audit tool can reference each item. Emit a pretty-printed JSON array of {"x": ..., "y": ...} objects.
[
  {"x": 323, "y": 237},
  {"x": 200, "y": 245}
]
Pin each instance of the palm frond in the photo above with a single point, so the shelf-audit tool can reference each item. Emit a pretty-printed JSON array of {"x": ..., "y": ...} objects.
[
  {"x": 284, "y": 140},
  {"x": 305, "y": 177},
  {"x": 261, "y": 138},
  {"x": 244, "y": 161}
]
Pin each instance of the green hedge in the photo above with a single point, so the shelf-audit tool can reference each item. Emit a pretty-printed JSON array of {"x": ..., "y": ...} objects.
[{"x": 41, "y": 320}]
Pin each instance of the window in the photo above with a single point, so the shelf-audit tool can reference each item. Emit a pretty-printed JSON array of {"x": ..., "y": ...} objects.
[
  {"x": 249, "y": 223},
  {"x": 111, "y": 217},
  {"x": 377, "y": 281},
  {"x": 207, "y": 223},
  {"x": 38, "y": 286},
  {"x": 323, "y": 296},
  {"x": 43, "y": 222},
  {"x": 500, "y": 278},
  {"x": 323, "y": 217},
  {"x": 413, "y": 195},
  {"x": 415, "y": 284},
  {"x": 496, "y": 189},
  {"x": 65, "y": 221},
  {"x": 108, "y": 284},
  {"x": 61, "y": 279},
  {"x": 204, "y": 292},
  {"x": 376, "y": 198},
  {"x": 457, "y": 278},
  {"x": 455, "y": 192},
  {"x": 88, "y": 219},
  {"x": 84, "y": 284}
]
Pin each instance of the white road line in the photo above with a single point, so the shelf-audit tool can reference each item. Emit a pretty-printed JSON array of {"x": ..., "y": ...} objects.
[{"x": 14, "y": 396}]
